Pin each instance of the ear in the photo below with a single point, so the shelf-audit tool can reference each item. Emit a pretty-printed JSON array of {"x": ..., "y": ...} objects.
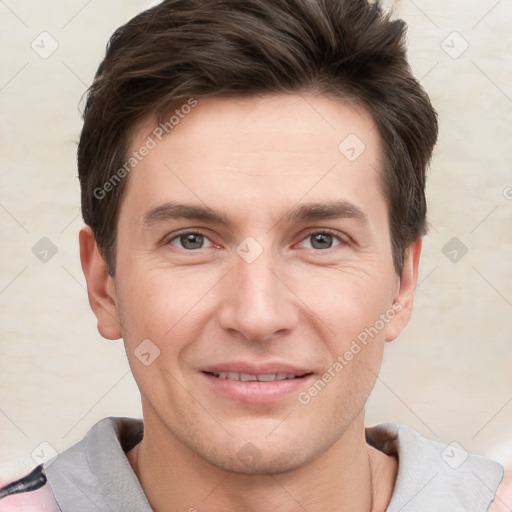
[
  {"x": 404, "y": 298},
  {"x": 100, "y": 286}
]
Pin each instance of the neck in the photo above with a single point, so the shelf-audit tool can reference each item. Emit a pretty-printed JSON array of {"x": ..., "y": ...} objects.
[{"x": 349, "y": 476}]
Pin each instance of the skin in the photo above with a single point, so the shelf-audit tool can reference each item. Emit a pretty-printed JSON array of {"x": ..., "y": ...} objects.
[
  {"x": 297, "y": 303},
  {"x": 503, "y": 501}
]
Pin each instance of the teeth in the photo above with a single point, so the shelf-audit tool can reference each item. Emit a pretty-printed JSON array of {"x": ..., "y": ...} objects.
[
  {"x": 267, "y": 377},
  {"x": 247, "y": 377}
]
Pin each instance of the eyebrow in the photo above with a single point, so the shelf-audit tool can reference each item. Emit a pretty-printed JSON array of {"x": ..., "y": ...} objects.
[
  {"x": 328, "y": 210},
  {"x": 170, "y": 211},
  {"x": 303, "y": 212}
]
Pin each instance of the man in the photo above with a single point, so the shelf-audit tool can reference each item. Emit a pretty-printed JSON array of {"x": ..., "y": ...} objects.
[{"x": 253, "y": 187}]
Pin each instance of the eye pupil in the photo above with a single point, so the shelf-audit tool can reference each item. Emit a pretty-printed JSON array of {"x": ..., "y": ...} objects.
[
  {"x": 322, "y": 241},
  {"x": 192, "y": 241}
]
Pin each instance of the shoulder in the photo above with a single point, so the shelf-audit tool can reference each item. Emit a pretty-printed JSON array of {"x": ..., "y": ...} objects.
[
  {"x": 81, "y": 477},
  {"x": 435, "y": 476},
  {"x": 95, "y": 474}
]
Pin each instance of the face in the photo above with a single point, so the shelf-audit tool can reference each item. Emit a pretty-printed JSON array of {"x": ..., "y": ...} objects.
[{"x": 254, "y": 266}]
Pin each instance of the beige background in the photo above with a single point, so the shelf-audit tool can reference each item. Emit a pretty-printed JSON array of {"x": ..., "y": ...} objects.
[{"x": 449, "y": 375}]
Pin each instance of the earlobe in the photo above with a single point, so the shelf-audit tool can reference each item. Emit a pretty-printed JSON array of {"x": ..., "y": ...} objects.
[
  {"x": 100, "y": 286},
  {"x": 403, "y": 302}
]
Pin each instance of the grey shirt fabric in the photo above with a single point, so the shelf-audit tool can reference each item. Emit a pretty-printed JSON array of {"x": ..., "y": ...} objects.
[
  {"x": 95, "y": 475},
  {"x": 435, "y": 477}
]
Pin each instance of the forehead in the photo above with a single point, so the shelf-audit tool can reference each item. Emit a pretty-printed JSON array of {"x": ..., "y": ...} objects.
[
  {"x": 301, "y": 123},
  {"x": 261, "y": 152}
]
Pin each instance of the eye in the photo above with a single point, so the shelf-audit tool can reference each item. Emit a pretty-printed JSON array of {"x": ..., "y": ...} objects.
[
  {"x": 322, "y": 240},
  {"x": 190, "y": 240}
]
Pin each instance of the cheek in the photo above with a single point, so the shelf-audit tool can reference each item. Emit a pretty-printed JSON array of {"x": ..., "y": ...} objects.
[
  {"x": 158, "y": 325},
  {"x": 347, "y": 300},
  {"x": 162, "y": 305},
  {"x": 340, "y": 393},
  {"x": 358, "y": 311}
]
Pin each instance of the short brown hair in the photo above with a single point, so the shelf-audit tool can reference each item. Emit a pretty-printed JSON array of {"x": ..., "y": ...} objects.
[{"x": 198, "y": 48}]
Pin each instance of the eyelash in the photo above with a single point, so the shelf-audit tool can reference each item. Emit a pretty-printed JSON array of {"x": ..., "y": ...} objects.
[{"x": 342, "y": 240}]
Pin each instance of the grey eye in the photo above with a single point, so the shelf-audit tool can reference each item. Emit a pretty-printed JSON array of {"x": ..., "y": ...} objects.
[
  {"x": 192, "y": 241},
  {"x": 321, "y": 240}
]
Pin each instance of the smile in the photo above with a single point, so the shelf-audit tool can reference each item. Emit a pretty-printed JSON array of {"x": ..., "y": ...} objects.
[
  {"x": 257, "y": 385},
  {"x": 262, "y": 377}
]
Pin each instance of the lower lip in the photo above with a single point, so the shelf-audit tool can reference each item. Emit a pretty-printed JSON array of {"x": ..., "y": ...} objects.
[{"x": 256, "y": 392}]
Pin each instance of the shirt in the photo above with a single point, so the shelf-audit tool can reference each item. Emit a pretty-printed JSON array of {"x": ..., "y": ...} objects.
[{"x": 94, "y": 475}]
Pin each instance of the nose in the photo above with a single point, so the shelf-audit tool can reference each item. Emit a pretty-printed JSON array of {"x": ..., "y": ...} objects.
[{"x": 258, "y": 303}]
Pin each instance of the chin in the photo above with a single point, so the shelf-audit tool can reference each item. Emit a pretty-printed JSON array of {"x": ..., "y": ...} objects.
[
  {"x": 249, "y": 460},
  {"x": 250, "y": 453}
]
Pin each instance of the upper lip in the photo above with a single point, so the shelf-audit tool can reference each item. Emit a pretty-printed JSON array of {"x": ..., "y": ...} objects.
[{"x": 256, "y": 369}]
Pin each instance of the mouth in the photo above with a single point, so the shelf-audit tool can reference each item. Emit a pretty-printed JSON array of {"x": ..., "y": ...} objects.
[
  {"x": 251, "y": 384},
  {"x": 260, "y": 377}
]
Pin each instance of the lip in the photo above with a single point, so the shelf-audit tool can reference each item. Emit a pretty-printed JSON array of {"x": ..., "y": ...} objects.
[{"x": 257, "y": 392}]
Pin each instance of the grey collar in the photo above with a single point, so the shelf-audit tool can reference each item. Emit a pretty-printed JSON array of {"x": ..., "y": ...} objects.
[{"x": 95, "y": 475}]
